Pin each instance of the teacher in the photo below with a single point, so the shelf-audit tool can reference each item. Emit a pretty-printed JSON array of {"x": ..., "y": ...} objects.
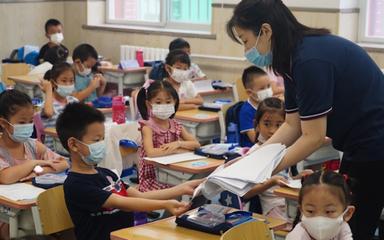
[{"x": 332, "y": 88}]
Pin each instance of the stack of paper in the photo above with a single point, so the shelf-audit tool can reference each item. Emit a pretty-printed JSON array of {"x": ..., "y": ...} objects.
[
  {"x": 241, "y": 176},
  {"x": 175, "y": 158},
  {"x": 20, "y": 191}
]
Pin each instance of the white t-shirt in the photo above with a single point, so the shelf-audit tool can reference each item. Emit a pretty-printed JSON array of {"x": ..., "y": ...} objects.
[
  {"x": 197, "y": 73},
  {"x": 187, "y": 90}
]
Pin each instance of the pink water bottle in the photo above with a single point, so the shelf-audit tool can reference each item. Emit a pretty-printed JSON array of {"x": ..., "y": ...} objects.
[
  {"x": 118, "y": 110},
  {"x": 139, "y": 57}
]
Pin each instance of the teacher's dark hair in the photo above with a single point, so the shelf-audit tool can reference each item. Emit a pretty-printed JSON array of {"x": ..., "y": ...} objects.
[{"x": 287, "y": 30}]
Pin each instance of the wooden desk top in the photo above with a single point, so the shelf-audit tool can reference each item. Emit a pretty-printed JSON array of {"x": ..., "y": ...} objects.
[
  {"x": 167, "y": 229},
  {"x": 202, "y": 165},
  {"x": 196, "y": 115},
  {"x": 116, "y": 69},
  {"x": 286, "y": 192},
  {"x": 27, "y": 79},
  {"x": 215, "y": 92},
  {"x": 24, "y": 204},
  {"x": 51, "y": 131}
]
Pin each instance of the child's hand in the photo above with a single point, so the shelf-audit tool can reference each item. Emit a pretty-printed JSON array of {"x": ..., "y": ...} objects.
[
  {"x": 96, "y": 81},
  {"x": 176, "y": 208},
  {"x": 279, "y": 180},
  {"x": 53, "y": 164},
  {"x": 171, "y": 147},
  {"x": 305, "y": 172},
  {"x": 29, "y": 177},
  {"x": 188, "y": 188},
  {"x": 103, "y": 81},
  {"x": 45, "y": 86}
]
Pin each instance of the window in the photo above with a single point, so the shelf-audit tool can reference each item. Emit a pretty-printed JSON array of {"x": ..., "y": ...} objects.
[
  {"x": 171, "y": 14},
  {"x": 372, "y": 21}
]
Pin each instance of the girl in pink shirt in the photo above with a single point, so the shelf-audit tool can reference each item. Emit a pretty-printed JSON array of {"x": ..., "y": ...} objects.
[{"x": 324, "y": 202}]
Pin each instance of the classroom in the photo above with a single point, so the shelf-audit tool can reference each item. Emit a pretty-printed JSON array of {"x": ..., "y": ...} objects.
[{"x": 191, "y": 119}]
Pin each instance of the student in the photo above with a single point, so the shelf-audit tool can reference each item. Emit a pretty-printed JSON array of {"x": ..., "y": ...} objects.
[
  {"x": 58, "y": 88},
  {"x": 19, "y": 154},
  {"x": 324, "y": 202},
  {"x": 54, "y": 33},
  {"x": 257, "y": 85},
  {"x": 97, "y": 200},
  {"x": 162, "y": 135},
  {"x": 178, "y": 74},
  {"x": 181, "y": 44},
  {"x": 269, "y": 117},
  {"x": 88, "y": 86}
]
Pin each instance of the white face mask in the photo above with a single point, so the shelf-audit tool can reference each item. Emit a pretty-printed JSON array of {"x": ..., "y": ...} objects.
[
  {"x": 56, "y": 38},
  {"x": 86, "y": 71},
  {"x": 65, "y": 90},
  {"x": 263, "y": 94},
  {"x": 163, "y": 111},
  {"x": 323, "y": 228},
  {"x": 181, "y": 75}
]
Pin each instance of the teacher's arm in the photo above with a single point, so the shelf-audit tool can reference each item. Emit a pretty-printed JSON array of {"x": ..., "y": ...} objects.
[{"x": 312, "y": 137}]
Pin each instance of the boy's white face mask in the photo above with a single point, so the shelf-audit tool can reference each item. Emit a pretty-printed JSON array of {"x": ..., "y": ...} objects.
[
  {"x": 323, "y": 228},
  {"x": 56, "y": 38}
]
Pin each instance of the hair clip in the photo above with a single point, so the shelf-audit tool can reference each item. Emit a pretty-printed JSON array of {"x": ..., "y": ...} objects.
[{"x": 148, "y": 83}]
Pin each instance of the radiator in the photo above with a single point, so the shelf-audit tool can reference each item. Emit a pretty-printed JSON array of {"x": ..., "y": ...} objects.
[{"x": 150, "y": 54}]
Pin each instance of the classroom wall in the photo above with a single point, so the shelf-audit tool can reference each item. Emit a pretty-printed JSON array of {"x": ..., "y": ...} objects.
[{"x": 23, "y": 22}]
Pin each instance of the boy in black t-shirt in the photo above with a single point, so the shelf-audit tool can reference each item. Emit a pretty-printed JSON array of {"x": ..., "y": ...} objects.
[
  {"x": 53, "y": 51},
  {"x": 97, "y": 200}
]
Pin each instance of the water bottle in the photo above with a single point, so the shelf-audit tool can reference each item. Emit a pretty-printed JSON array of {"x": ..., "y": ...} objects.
[
  {"x": 139, "y": 57},
  {"x": 118, "y": 110},
  {"x": 232, "y": 134}
]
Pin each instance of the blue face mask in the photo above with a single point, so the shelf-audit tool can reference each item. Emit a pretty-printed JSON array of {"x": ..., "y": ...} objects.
[
  {"x": 253, "y": 56},
  {"x": 21, "y": 132},
  {"x": 65, "y": 90},
  {"x": 96, "y": 153}
]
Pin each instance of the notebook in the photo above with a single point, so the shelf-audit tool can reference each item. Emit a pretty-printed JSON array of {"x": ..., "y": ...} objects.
[{"x": 20, "y": 191}]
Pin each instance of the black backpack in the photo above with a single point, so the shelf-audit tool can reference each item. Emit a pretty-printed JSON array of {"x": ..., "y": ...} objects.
[{"x": 232, "y": 121}]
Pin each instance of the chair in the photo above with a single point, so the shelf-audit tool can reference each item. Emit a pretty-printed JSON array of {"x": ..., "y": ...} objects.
[
  {"x": 13, "y": 69},
  {"x": 222, "y": 115},
  {"x": 52, "y": 212},
  {"x": 240, "y": 91},
  {"x": 248, "y": 231}
]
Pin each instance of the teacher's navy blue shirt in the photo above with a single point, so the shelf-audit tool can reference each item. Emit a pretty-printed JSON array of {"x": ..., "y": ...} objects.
[{"x": 335, "y": 77}]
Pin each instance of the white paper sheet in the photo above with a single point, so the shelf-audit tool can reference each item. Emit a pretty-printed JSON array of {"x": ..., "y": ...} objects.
[
  {"x": 20, "y": 191},
  {"x": 296, "y": 184},
  {"x": 203, "y": 86},
  {"x": 175, "y": 158}
]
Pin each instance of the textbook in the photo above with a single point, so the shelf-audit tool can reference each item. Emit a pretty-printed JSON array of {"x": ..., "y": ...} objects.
[{"x": 238, "y": 178}]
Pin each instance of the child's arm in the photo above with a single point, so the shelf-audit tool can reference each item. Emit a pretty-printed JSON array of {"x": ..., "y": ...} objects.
[
  {"x": 16, "y": 173},
  {"x": 251, "y": 134},
  {"x": 59, "y": 164},
  {"x": 103, "y": 84},
  {"x": 197, "y": 100},
  {"x": 262, "y": 187},
  {"x": 185, "y": 188},
  {"x": 83, "y": 94},
  {"x": 46, "y": 87},
  {"x": 144, "y": 205},
  {"x": 189, "y": 143},
  {"x": 187, "y": 106},
  {"x": 151, "y": 151}
]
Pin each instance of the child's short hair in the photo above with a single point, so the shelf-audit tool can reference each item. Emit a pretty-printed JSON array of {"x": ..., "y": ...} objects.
[
  {"x": 178, "y": 43},
  {"x": 83, "y": 52},
  {"x": 56, "y": 54},
  {"x": 330, "y": 178},
  {"x": 57, "y": 70},
  {"x": 74, "y": 120},
  {"x": 51, "y": 22},
  {"x": 177, "y": 56},
  {"x": 151, "y": 92},
  {"x": 11, "y": 101},
  {"x": 249, "y": 73},
  {"x": 269, "y": 105}
]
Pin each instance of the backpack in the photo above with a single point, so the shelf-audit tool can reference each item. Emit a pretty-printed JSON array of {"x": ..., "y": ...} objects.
[
  {"x": 158, "y": 71},
  {"x": 232, "y": 123}
]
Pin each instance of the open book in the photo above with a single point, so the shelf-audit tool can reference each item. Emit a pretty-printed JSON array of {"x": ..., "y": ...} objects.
[{"x": 241, "y": 176}]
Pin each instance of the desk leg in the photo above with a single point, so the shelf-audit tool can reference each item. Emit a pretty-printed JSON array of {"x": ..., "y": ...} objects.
[
  {"x": 13, "y": 226},
  {"x": 120, "y": 89},
  {"x": 36, "y": 220}
]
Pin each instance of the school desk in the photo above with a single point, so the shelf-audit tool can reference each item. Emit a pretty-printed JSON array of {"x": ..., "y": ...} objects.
[
  {"x": 26, "y": 83},
  {"x": 291, "y": 197},
  {"x": 167, "y": 229},
  {"x": 209, "y": 94},
  {"x": 202, "y": 124},
  {"x": 177, "y": 173},
  {"x": 10, "y": 211},
  {"x": 131, "y": 77}
]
